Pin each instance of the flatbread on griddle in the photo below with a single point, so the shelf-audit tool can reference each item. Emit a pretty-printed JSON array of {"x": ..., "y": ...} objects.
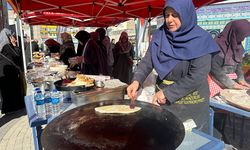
[{"x": 121, "y": 109}]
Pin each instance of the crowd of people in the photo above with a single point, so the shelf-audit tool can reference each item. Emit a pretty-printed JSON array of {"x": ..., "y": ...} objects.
[{"x": 95, "y": 54}]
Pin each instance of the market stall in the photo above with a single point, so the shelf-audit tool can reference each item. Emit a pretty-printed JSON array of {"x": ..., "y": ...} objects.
[{"x": 95, "y": 95}]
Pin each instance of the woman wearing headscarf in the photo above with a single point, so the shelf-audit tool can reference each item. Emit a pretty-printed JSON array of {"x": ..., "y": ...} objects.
[
  {"x": 53, "y": 47},
  {"x": 123, "y": 59},
  {"x": 104, "y": 42},
  {"x": 91, "y": 59},
  {"x": 12, "y": 90},
  {"x": 229, "y": 60},
  {"x": 67, "y": 49},
  {"x": 180, "y": 52}
]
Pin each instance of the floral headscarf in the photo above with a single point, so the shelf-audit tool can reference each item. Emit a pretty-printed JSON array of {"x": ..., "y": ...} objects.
[
  {"x": 4, "y": 36},
  {"x": 125, "y": 45},
  {"x": 66, "y": 37}
]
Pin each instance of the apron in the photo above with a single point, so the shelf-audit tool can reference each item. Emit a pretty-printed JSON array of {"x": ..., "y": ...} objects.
[{"x": 186, "y": 108}]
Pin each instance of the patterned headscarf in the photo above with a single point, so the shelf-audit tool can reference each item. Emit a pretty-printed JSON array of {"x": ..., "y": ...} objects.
[
  {"x": 66, "y": 37},
  {"x": 4, "y": 36},
  {"x": 125, "y": 46}
]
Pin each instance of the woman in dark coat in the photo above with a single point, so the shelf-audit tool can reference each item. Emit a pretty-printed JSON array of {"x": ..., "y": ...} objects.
[
  {"x": 67, "y": 49},
  {"x": 180, "y": 52},
  {"x": 11, "y": 68},
  {"x": 91, "y": 59},
  {"x": 123, "y": 59},
  {"x": 53, "y": 47}
]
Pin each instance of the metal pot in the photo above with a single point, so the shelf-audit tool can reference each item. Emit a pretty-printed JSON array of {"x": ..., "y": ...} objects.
[
  {"x": 61, "y": 85},
  {"x": 82, "y": 128},
  {"x": 99, "y": 84}
]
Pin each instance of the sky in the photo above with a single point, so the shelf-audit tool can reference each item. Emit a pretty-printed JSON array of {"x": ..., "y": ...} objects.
[{"x": 9, "y": 7}]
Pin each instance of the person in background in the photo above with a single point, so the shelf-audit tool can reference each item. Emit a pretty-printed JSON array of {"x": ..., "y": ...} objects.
[
  {"x": 180, "y": 51},
  {"x": 105, "y": 41},
  {"x": 229, "y": 60},
  {"x": 12, "y": 86},
  {"x": 53, "y": 48},
  {"x": 91, "y": 59},
  {"x": 95, "y": 36},
  {"x": 112, "y": 44},
  {"x": 123, "y": 59},
  {"x": 227, "y": 65},
  {"x": 27, "y": 49},
  {"x": 67, "y": 49},
  {"x": 35, "y": 46}
]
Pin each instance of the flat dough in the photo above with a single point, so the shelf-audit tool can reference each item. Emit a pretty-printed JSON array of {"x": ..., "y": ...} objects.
[
  {"x": 238, "y": 98},
  {"x": 121, "y": 109}
]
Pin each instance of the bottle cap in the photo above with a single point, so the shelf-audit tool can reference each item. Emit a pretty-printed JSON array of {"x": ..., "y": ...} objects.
[{"x": 37, "y": 89}]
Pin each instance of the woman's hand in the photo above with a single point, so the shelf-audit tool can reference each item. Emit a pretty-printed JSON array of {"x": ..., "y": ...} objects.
[
  {"x": 159, "y": 98},
  {"x": 244, "y": 83},
  {"x": 240, "y": 87},
  {"x": 75, "y": 60},
  {"x": 13, "y": 40},
  {"x": 132, "y": 90}
]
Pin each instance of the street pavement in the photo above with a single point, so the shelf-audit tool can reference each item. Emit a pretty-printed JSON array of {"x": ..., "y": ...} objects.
[{"x": 15, "y": 133}]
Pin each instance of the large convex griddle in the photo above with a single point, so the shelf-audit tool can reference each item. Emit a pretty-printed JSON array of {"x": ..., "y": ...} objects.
[{"x": 151, "y": 128}]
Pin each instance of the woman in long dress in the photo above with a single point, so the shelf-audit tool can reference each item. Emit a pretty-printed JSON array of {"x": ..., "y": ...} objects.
[
  {"x": 123, "y": 59},
  {"x": 12, "y": 89},
  {"x": 67, "y": 49}
]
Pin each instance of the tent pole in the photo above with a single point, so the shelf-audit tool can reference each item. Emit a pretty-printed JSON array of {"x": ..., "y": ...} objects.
[
  {"x": 141, "y": 36},
  {"x": 137, "y": 39},
  {"x": 149, "y": 30},
  {"x": 30, "y": 42},
  {"x": 22, "y": 44},
  {"x": 16, "y": 26}
]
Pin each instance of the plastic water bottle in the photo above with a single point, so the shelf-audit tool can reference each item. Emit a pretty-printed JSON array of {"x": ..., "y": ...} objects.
[
  {"x": 34, "y": 94},
  {"x": 55, "y": 99},
  {"x": 40, "y": 105},
  {"x": 48, "y": 103},
  {"x": 35, "y": 91}
]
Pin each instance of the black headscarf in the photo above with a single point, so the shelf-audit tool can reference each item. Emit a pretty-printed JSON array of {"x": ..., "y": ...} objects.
[{"x": 82, "y": 36}]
